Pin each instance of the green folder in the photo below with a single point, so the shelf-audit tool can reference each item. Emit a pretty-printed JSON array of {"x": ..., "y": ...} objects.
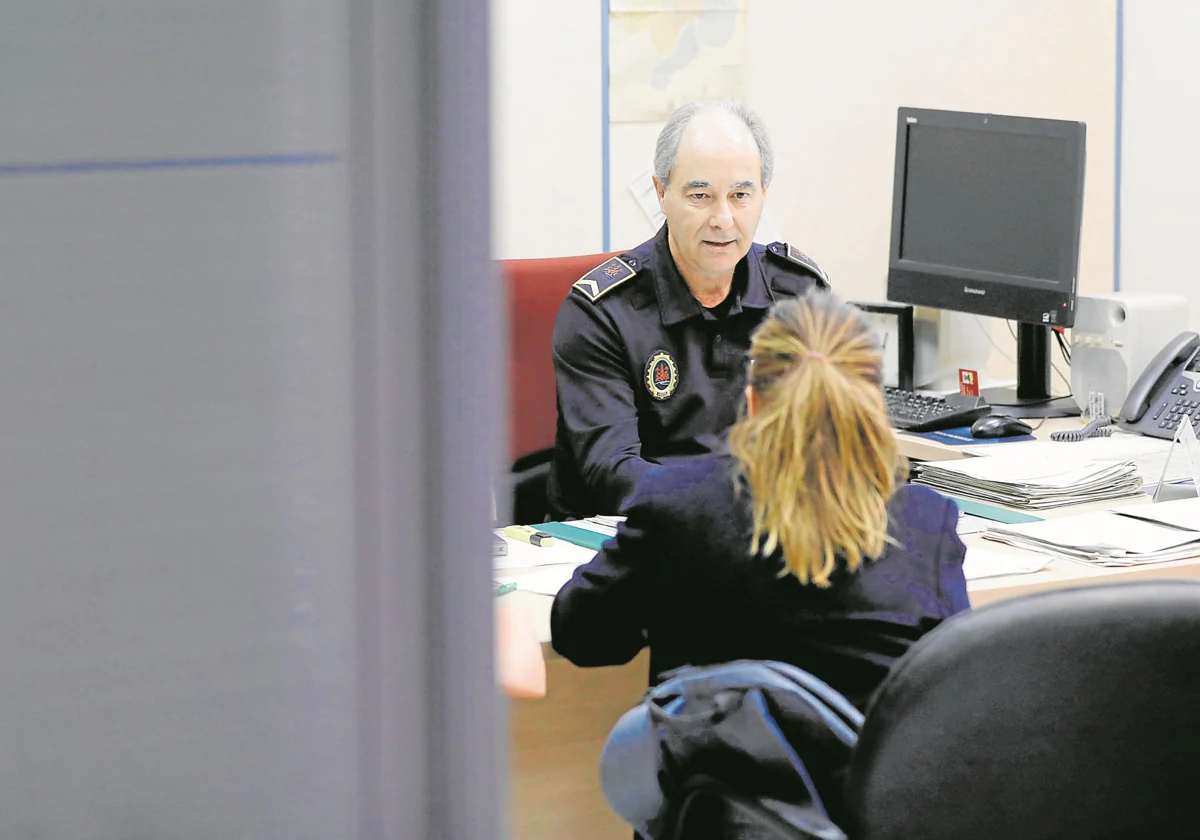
[
  {"x": 590, "y": 539},
  {"x": 570, "y": 533},
  {"x": 996, "y": 514}
]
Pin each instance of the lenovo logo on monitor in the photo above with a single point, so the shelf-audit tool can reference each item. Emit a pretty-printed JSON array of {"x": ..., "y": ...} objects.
[{"x": 971, "y": 291}]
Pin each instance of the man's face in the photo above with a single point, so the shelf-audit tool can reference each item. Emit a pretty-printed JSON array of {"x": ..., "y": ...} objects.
[{"x": 714, "y": 197}]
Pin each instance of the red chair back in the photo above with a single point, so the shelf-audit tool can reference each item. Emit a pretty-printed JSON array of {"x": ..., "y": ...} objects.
[{"x": 535, "y": 291}]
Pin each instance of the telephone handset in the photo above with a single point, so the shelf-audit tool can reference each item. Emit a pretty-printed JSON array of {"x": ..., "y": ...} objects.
[{"x": 1167, "y": 392}]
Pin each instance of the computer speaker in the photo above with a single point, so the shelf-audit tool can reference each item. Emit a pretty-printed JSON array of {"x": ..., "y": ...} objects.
[{"x": 1115, "y": 337}]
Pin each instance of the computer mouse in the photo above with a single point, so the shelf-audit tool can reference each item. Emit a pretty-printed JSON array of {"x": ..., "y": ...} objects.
[{"x": 999, "y": 425}]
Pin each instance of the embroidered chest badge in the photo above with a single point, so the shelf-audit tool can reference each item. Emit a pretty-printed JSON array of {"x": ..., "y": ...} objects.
[{"x": 661, "y": 375}]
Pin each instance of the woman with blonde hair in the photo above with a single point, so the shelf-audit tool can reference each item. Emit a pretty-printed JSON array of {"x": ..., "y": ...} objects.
[{"x": 803, "y": 545}]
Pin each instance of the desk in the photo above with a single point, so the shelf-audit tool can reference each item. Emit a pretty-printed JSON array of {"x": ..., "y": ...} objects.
[{"x": 555, "y": 742}]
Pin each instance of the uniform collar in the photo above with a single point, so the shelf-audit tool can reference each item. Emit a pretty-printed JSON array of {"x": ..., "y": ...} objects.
[{"x": 675, "y": 300}]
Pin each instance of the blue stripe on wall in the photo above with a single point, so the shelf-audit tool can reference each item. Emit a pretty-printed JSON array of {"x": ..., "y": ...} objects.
[
  {"x": 94, "y": 166},
  {"x": 1117, "y": 147},
  {"x": 605, "y": 197}
]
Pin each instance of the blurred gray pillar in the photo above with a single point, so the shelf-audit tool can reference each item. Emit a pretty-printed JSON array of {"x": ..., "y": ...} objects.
[
  {"x": 435, "y": 315},
  {"x": 250, "y": 397}
]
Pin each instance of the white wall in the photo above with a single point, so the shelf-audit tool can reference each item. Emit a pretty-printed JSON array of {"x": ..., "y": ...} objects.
[
  {"x": 1160, "y": 171},
  {"x": 827, "y": 78},
  {"x": 546, "y": 121}
]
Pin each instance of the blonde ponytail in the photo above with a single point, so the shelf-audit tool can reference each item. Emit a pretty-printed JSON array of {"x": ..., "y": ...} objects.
[{"x": 818, "y": 454}]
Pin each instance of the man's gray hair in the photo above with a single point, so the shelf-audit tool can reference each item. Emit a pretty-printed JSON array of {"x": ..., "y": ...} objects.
[{"x": 667, "y": 146}]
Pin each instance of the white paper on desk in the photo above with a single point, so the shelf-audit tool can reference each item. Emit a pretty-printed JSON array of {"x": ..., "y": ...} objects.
[
  {"x": 595, "y": 527},
  {"x": 544, "y": 581},
  {"x": 606, "y": 525},
  {"x": 1120, "y": 446},
  {"x": 614, "y": 521},
  {"x": 1099, "y": 532},
  {"x": 522, "y": 555},
  {"x": 1181, "y": 513},
  {"x": 1147, "y": 453},
  {"x": 981, "y": 563},
  {"x": 1024, "y": 470},
  {"x": 1191, "y": 551},
  {"x": 971, "y": 524}
]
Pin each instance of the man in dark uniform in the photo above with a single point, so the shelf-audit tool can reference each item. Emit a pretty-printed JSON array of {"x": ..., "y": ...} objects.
[{"x": 649, "y": 346}]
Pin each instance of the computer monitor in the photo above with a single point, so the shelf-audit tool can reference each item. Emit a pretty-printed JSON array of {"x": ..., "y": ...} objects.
[{"x": 986, "y": 211}]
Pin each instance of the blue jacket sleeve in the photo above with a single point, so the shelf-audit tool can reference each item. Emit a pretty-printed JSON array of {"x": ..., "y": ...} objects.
[
  {"x": 952, "y": 583},
  {"x": 600, "y": 616},
  {"x": 596, "y": 403}
]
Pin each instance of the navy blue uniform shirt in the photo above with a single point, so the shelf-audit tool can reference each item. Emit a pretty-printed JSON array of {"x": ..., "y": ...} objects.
[
  {"x": 679, "y": 577},
  {"x": 645, "y": 374}
]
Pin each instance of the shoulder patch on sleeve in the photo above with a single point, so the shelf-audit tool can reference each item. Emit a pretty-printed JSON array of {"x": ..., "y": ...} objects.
[
  {"x": 604, "y": 278},
  {"x": 793, "y": 254}
]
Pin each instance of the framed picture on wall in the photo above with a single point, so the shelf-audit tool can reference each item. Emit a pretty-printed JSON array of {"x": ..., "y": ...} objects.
[{"x": 895, "y": 325}]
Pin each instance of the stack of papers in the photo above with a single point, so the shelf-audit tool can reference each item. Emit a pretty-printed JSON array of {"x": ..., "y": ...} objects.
[
  {"x": 1150, "y": 455},
  {"x": 981, "y": 563},
  {"x": 1104, "y": 538},
  {"x": 1032, "y": 482},
  {"x": 606, "y": 525},
  {"x": 1181, "y": 513}
]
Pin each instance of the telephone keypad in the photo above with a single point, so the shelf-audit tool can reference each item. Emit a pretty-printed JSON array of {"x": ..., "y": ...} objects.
[{"x": 1183, "y": 408}]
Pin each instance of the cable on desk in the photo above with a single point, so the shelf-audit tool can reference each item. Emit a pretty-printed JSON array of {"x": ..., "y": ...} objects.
[
  {"x": 1012, "y": 331},
  {"x": 1062, "y": 346},
  {"x": 1100, "y": 427}
]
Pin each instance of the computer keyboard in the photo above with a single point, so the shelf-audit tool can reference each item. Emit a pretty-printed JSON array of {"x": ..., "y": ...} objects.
[{"x": 913, "y": 412}]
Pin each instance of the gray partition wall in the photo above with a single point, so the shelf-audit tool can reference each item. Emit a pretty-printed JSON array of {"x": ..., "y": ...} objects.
[
  {"x": 1158, "y": 173},
  {"x": 252, "y": 395}
]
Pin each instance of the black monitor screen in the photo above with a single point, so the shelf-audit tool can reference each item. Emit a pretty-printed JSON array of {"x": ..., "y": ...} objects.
[{"x": 987, "y": 201}]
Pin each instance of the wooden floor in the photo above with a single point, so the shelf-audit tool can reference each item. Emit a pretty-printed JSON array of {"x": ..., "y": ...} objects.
[{"x": 554, "y": 752}]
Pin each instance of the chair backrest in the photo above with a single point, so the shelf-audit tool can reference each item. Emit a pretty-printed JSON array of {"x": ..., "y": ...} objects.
[
  {"x": 771, "y": 730},
  {"x": 1068, "y": 714},
  {"x": 711, "y": 810},
  {"x": 535, "y": 290}
]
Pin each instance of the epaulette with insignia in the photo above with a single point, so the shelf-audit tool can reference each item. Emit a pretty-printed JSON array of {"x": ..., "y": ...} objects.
[
  {"x": 793, "y": 254},
  {"x": 604, "y": 278}
]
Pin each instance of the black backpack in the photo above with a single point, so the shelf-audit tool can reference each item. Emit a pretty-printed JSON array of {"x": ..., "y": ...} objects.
[{"x": 737, "y": 746}]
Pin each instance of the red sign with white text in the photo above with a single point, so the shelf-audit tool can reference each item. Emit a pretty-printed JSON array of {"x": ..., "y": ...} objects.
[{"x": 968, "y": 382}]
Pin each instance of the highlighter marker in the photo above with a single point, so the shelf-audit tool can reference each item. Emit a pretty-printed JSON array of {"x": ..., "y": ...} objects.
[{"x": 529, "y": 534}]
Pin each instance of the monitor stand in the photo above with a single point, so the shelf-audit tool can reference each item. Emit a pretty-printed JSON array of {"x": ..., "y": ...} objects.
[{"x": 1031, "y": 397}]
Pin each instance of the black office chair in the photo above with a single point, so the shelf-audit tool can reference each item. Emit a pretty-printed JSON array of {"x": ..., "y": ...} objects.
[
  {"x": 1068, "y": 714},
  {"x": 527, "y": 486},
  {"x": 711, "y": 810}
]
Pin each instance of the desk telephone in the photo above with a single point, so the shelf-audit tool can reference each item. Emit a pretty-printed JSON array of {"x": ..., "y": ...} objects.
[{"x": 1168, "y": 391}]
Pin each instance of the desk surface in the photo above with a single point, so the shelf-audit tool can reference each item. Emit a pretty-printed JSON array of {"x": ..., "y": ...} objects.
[
  {"x": 556, "y": 741},
  {"x": 1057, "y": 574}
]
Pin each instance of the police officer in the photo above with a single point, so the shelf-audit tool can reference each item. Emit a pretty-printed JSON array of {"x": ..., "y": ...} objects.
[{"x": 649, "y": 346}]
